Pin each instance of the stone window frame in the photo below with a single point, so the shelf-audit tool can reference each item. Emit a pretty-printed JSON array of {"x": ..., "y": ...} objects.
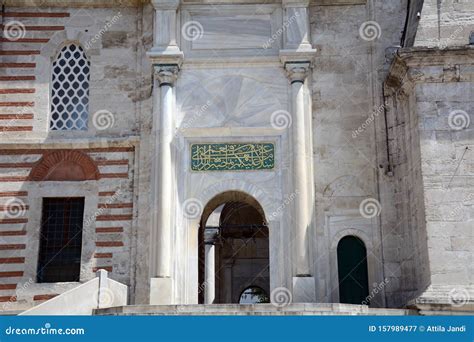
[
  {"x": 36, "y": 192},
  {"x": 48, "y": 54}
]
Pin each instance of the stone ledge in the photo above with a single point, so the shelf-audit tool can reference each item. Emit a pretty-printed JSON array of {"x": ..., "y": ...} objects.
[
  {"x": 299, "y": 309},
  {"x": 74, "y": 3}
]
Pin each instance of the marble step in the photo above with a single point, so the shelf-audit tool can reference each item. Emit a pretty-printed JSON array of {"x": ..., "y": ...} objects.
[{"x": 249, "y": 310}]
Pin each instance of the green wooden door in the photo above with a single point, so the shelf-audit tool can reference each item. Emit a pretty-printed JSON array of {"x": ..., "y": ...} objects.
[{"x": 352, "y": 269}]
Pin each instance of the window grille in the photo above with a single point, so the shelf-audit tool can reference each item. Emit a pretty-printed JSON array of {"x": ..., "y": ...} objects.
[
  {"x": 60, "y": 240},
  {"x": 70, "y": 90}
]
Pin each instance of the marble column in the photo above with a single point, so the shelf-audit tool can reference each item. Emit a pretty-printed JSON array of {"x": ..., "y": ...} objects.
[
  {"x": 297, "y": 73},
  {"x": 210, "y": 236},
  {"x": 297, "y": 56},
  {"x": 162, "y": 189},
  {"x": 166, "y": 58},
  {"x": 303, "y": 283}
]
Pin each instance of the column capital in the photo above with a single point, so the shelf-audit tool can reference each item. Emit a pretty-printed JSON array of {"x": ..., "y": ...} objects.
[
  {"x": 166, "y": 74},
  {"x": 211, "y": 235},
  {"x": 298, "y": 71}
]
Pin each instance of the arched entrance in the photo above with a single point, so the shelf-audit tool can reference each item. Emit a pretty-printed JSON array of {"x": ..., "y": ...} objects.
[
  {"x": 233, "y": 249},
  {"x": 352, "y": 270}
]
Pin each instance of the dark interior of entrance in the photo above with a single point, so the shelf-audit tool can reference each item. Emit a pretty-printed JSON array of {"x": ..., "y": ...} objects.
[{"x": 239, "y": 234}]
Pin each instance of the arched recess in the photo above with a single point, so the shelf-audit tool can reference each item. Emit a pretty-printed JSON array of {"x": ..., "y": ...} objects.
[
  {"x": 242, "y": 234},
  {"x": 64, "y": 165},
  {"x": 352, "y": 268}
]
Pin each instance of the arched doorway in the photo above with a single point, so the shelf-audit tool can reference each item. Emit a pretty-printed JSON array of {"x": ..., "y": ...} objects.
[
  {"x": 233, "y": 248},
  {"x": 352, "y": 270}
]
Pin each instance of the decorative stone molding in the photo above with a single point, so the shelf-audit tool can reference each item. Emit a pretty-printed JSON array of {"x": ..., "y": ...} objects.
[
  {"x": 75, "y": 3},
  {"x": 166, "y": 74},
  {"x": 65, "y": 165},
  {"x": 297, "y": 72},
  {"x": 424, "y": 65}
]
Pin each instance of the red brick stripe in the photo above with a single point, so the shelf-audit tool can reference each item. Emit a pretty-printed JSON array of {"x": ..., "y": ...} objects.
[
  {"x": 115, "y": 205},
  {"x": 16, "y": 116},
  {"x": 13, "y": 233},
  {"x": 40, "y": 151},
  {"x": 13, "y": 178},
  {"x": 44, "y": 296},
  {"x": 12, "y": 260},
  {"x": 102, "y": 255},
  {"x": 15, "y": 165},
  {"x": 17, "y": 104},
  {"x": 41, "y": 28},
  {"x": 25, "y": 40},
  {"x": 36, "y": 14},
  {"x": 16, "y": 129},
  {"x": 8, "y": 299},
  {"x": 7, "y": 207},
  {"x": 19, "y": 52},
  {"x": 109, "y": 243},
  {"x": 107, "y": 193},
  {"x": 18, "y": 91},
  {"x": 13, "y": 220},
  {"x": 12, "y": 247},
  {"x": 11, "y": 274},
  {"x": 17, "y": 65},
  {"x": 109, "y": 230},
  {"x": 107, "y": 268},
  {"x": 112, "y": 162},
  {"x": 114, "y": 175},
  {"x": 17, "y": 78},
  {"x": 7, "y": 286},
  {"x": 113, "y": 218},
  {"x": 14, "y": 194}
]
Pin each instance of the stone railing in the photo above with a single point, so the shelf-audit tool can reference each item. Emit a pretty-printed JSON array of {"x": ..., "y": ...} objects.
[{"x": 98, "y": 293}]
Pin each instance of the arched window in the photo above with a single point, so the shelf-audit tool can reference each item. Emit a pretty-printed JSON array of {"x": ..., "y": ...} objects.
[
  {"x": 70, "y": 90},
  {"x": 253, "y": 295},
  {"x": 352, "y": 271}
]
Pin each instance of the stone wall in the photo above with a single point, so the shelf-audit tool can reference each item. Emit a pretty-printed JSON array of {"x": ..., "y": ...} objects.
[
  {"x": 354, "y": 161},
  {"x": 355, "y": 46},
  {"x": 433, "y": 105},
  {"x": 115, "y": 41},
  {"x": 445, "y": 23}
]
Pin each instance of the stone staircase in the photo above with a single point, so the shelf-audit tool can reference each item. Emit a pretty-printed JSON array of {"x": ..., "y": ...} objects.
[{"x": 316, "y": 309}]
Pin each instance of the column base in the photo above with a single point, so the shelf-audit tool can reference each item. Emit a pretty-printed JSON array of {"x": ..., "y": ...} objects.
[
  {"x": 445, "y": 299},
  {"x": 304, "y": 290},
  {"x": 161, "y": 291}
]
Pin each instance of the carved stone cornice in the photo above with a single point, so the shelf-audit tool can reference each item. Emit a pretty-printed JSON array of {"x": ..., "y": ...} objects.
[
  {"x": 428, "y": 65},
  {"x": 166, "y": 74},
  {"x": 298, "y": 71}
]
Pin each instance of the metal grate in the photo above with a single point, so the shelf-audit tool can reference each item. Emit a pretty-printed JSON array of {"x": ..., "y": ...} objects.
[
  {"x": 70, "y": 90},
  {"x": 61, "y": 240}
]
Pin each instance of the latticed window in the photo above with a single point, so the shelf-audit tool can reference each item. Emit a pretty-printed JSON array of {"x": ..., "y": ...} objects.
[
  {"x": 70, "y": 90},
  {"x": 60, "y": 240}
]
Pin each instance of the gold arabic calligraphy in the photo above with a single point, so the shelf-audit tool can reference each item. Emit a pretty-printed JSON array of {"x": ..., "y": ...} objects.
[{"x": 228, "y": 157}]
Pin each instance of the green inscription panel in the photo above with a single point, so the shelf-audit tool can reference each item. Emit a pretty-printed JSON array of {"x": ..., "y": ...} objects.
[{"x": 232, "y": 157}]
